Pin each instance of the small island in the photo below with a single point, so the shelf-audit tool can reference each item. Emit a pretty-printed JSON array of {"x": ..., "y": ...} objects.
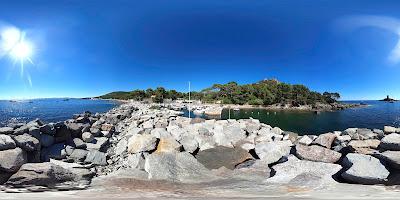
[{"x": 388, "y": 99}]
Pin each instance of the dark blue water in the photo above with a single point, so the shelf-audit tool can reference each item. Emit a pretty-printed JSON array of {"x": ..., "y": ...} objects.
[
  {"x": 376, "y": 115},
  {"x": 50, "y": 110}
]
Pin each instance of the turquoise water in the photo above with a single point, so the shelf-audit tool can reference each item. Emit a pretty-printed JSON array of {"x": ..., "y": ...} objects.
[
  {"x": 377, "y": 115},
  {"x": 50, "y": 110}
]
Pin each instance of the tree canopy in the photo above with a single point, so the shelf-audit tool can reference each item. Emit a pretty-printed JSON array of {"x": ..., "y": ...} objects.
[{"x": 264, "y": 92}]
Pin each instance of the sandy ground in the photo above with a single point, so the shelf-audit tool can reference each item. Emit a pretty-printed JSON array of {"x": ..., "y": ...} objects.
[{"x": 125, "y": 188}]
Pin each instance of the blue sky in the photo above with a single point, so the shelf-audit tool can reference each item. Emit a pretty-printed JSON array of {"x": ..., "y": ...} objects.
[{"x": 88, "y": 48}]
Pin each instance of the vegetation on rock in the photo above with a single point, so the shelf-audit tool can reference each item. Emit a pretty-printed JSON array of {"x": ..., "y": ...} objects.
[{"x": 266, "y": 92}]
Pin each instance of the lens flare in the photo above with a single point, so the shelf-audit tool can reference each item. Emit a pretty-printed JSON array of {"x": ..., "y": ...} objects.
[{"x": 14, "y": 44}]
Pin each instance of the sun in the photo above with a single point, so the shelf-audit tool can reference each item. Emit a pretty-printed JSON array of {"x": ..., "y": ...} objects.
[
  {"x": 15, "y": 44},
  {"x": 21, "y": 51}
]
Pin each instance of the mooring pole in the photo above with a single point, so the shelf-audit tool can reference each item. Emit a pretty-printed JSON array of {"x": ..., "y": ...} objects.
[{"x": 189, "y": 101}]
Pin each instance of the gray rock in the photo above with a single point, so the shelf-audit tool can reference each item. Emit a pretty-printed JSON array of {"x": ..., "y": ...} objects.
[
  {"x": 96, "y": 157},
  {"x": 78, "y": 155},
  {"x": 325, "y": 140},
  {"x": 134, "y": 161},
  {"x": 369, "y": 143},
  {"x": 99, "y": 143},
  {"x": 87, "y": 137},
  {"x": 287, "y": 135},
  {"x": 12, "y": 159},
  {"x": 80, "y": 172},
  {"x": 95, "y": 131},
  {"x": 391, "y": 142},
  {"x": 21, "y": 130},
  {"x": 78, "y": 143},
  {"x": 291, "y": 170},
  {"x": 180, "y": 166},
  {"x": 389, "y": 129},
  {"x": 365, "y": 134},
  {"x": 107, "y": 134},
  {"x": 43, "y": 174},
  {"x": 69, "y": 149},
  {"x": 76, "y": 129},
  {"x": 6, "y": 142},
  {"x": 48, "y": 129},
  {"x": 46, "y": 140},
  {"x": 139, "y": 143},
  {"x": 55, "y": 151},
  {"x": 27, "y": 142},
  {"x": 34, "y": 123},
  {"x": 305, "y": 140},
  {"x": 121, "y": 147},
  {"x": 221, "y": 156},
  {"x": 6, "y": 130},
  {"x": 392, "y": 158},
  {"x": 317, "y": 153},
  {"x": 189, "y": 144},
  {"x": 271, "y": 152},
  {"x": 364, "y": 169}
]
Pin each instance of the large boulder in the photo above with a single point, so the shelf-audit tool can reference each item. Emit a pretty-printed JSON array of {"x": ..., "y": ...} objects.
[
  {"x": 364, "y": 169},
  {"x": 77, "y": 143},
  {"x": 392, "y": 158},
  {"x": 27, "y": 142},
  {"x": 370, "y": 143},
  {"x": 121, "y": 146},
  {"x": 391, "y": 142},
  {"x": 189, "y": 144},
  {"x": 181, "y": 167},
  {"x": 78, "y": 155},
  {"x": 6, "y": 130},
  {"x": 80, "y": 172},
  {"x": 325, "y": 140},
  {"x": 87, "y": 137},
  {"x": 12, "y": 159},
  {"x": 365, "y": 134},
  {"x": 6, "y": 142},
  {"x": 96, "y": 157},
  {"x": 99, "y": 143},
  {"x": 317, "y": 153},
  {"x": 21, "y": 130},
  {"x": 139, "y": 143},
  {"x": 41, "y": 174},
  {"x": 221, "y": 156},
  {"x": 302, "y": 172},
  {"x": 271, "y": 152},
  {"x": 389, "y": 129}
]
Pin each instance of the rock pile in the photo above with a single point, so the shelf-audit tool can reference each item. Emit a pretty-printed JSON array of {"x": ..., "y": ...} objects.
[{"x": 158, "y": 144}]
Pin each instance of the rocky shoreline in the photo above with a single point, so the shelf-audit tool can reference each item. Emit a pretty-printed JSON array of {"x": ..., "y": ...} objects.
[{"x": 140, "y": 143}]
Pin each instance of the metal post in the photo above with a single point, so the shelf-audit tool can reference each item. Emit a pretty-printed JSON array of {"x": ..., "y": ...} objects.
[{"x": 189, "y": 100}]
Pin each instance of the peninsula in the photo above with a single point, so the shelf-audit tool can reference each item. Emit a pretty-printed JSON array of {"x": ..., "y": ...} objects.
[{"x": 269, "y": 94}]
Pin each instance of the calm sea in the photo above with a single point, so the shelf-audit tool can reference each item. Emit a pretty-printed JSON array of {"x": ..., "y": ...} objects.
[
  {"x": 376, "y": 115},
  {"x": 49, "y": 110}
]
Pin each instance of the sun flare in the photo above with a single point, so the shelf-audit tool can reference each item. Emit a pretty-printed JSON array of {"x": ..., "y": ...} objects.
[{"x": 14, "y": 44}]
